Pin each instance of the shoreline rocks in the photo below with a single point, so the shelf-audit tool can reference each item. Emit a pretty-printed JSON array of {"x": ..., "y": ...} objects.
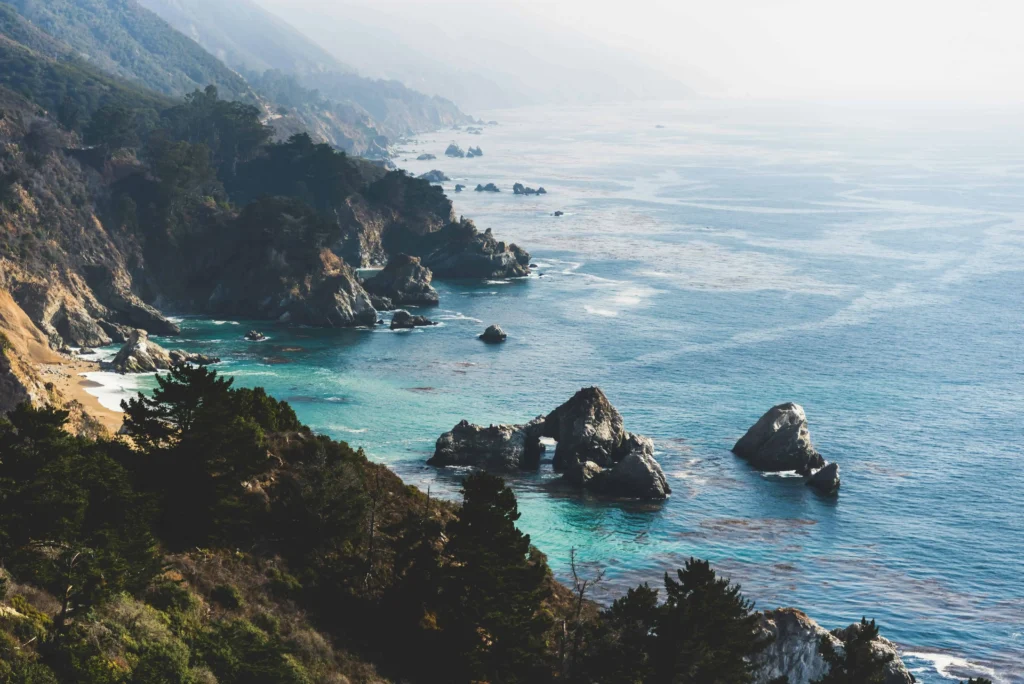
[
  {"x": 493, "y": 334},
  {"x": 793, "y": 652},
  {"x": 780, "y": 441},
  {"x": 404, "y": 281}
]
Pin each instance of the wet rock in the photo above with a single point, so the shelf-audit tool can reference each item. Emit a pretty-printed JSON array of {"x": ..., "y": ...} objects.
[
  {"x": 636, "y": 476},
  {"x": 780, "y": 441},
  {"x": 140, "y": 355},
  {"x": 493, "y": 334},
  {"x": 255, "y": 336},
  {"x": 403, "y": 319},
  {"x": 405, "y": 281},
  {"x": 793, "y": 651},
  {"x": 434, "y": 176},
  {"x": 497, "y": 447},
  {"x": 826, "y": 480},
  {"x": 490, "y": 187}
]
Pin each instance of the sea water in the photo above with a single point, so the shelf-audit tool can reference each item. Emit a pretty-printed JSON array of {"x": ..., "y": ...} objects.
[{"x": 714, "y": 260}]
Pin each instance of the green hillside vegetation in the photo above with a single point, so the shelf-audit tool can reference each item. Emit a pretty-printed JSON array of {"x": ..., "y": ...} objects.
[
  {"x": 230, "y": 544},
  {"x": 126, "y": 40}
]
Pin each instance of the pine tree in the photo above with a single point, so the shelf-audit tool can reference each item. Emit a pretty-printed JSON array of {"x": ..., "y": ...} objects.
[{"x": 858, "y": 662}]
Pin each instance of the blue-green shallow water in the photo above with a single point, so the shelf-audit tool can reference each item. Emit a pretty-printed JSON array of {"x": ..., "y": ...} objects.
[{"x": 870, "y": 268}]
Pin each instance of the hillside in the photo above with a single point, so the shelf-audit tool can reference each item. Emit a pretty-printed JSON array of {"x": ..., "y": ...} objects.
[
  {"x": 128, "y": 41},
  {"x": 254, "y": 41}
]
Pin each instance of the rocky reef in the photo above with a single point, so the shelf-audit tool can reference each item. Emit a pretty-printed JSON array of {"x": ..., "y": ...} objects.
[
  {"x": 793, "y": 652},
  {"x": 404, "y": 281},
  {"x": 780, "y": 441},
  {"x": 594, "y": 452}
]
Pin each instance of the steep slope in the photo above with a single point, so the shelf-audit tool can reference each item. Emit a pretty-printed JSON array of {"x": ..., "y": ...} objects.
[
  {"x": 132, "y": 43},
  {"x": 254, "y": 41}
]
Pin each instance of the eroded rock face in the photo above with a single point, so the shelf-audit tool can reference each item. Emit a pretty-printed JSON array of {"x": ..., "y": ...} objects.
[
  {"x": 497, "y": 447},
  {"x": 405, "y": 281},
  {"x": 794, "y": 649},
  {"x": 780, "y": 441},
  {"x": 826, "y": 480}
]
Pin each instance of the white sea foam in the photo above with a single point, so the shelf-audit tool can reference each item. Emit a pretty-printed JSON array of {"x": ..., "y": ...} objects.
[
  {"x": 952, "y": 667},
  {"x": 111, "y": 387}
]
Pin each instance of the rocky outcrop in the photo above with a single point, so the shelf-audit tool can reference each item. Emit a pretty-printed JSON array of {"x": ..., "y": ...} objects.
[
  {"x": 594, "y": 452},
  {"x": 404, "y": 281},
  {"x": 497, "y": 447},
  {"x": 454, "y": 150},
  {"x": 180, "y": 356},
  {"x": 826, "y": 480},
  {"x": 434, "y": 176},
  {"x": 459, "y": 187},
  {"x": 425, "y": 157},
  {"x": 140, "y": 355},
  {"x": 793, "y": 651},
  {"x": 780, "y": 441},
  {"x": 404, "y": 320},
  {"x": 493, "y": 334},
  {"x": 521, "y": 189},
  {"x": 461, "y": 251},
  {"x": 255, "y": 336},
  {"x": 490, "y": 187}
]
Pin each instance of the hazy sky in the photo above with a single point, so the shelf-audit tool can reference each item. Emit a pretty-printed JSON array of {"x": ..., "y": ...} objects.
[{"x": 808, "y": 49}]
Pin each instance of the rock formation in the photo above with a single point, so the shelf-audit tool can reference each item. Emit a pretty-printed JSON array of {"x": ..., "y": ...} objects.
[
  {"x": 403, "y": 320},
  {"x": 780, "y": 441},
  {"x": 404, "y": 281},
  {"x": 461, "y": 251},
  {"x": 141, "y": 355},
  {"x": 454, "y": 150},
  {"x": 434, "y": 176},
  {"x": 490, "y": 187},
  {"x": 521, "y": 189},
  {"x": 425, "y": 157},
  {"x": 498, "y": 447},
  {"x": 255, "y": 336},
  {"x": 825, "y": 480},
  {"x": 459, "y": 187},
  {"x": 594, "y": 452},
  {"x": 493, "y": 334},
  {"x": 793, "y": 651},
  {"x": 195, "y": 358},
  {"x": 475, "y": 151}
]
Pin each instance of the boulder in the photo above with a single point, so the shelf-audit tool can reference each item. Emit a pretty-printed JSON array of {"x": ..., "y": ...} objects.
[
  {"x": 825, "y": 480},
  {"x": 139, "y": 355},
  {"x": 403, "y": 320},
  {"x": 636, "y": 476},
  {"x": 780, "y": 441},
  {"x": 490, "y": 187},
  {"x": 454, "y": 150},
  {"x": 425, "y": 157},
  {"x": 793, "y": 651},
  {"x": 405, "y": 281},
  {"x": 493, "y": 334},
  {"x": 434, "y": 176},
  {"x": 497, "y": 447},
  {"x": 181, "y": 356}
]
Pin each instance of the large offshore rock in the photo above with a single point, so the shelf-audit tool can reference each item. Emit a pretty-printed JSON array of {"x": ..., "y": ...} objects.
[
  {"x": 404, "y": 281},
  {"x": 493, "y": 334},
  {"x": 140, "y": 355},
  {"x": 497, "y": 447},
  {"x": 779, "y": 441},
  {"x": 794, "y": 649},
  {"x": 587, "y": 428},
  {"x": 636, "y": 476}
]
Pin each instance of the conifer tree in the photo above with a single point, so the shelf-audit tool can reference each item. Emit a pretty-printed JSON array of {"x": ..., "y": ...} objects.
[{"x": 858, "y": 662}]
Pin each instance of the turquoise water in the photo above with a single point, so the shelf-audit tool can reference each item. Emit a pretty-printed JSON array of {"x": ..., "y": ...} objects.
[{"x": 868, "y": 266}]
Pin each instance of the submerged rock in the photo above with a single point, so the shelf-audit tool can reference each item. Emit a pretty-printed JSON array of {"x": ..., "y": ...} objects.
[
  {"x": 793, "y": 651},
  {"x": 490, "y": 187},
  {"x": 826, "y": 480},
  {"x": 403, "y": 320},
  {"x": 493, "y": 333},
  {"x": 779, "y": 441},
  {"x": 405, "y": 281},
  {"x": 434, "y": 176},
  {"x": 497, "y": 447}
]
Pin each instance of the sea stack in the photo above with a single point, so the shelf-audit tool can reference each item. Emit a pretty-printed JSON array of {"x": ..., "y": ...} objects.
[
  {"x": 780, "y": 441},
  {"x": 493, "y": 334}
]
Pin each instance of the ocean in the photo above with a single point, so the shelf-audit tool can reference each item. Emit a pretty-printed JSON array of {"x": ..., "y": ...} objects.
[{"x": 715, "y": 259}]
